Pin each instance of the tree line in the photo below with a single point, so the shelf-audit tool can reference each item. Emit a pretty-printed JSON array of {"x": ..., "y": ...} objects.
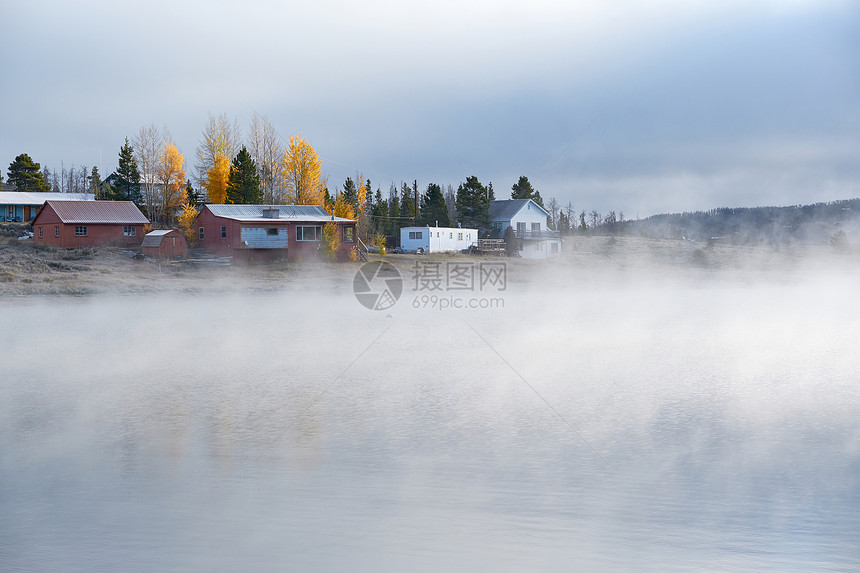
[{"x": 263, "y": 168}]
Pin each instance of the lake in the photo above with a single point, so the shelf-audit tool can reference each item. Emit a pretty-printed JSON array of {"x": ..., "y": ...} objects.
[{"x": 615, "y": 425}]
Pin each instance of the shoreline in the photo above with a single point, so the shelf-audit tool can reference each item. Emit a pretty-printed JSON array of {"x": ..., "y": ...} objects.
[{"x": 30, "y": 271}]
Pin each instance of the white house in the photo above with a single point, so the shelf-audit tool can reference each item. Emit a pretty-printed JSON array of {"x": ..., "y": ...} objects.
[
  {"x": 23, "y": 206},
  {"x": 437, "y": 239},
  {"x": 534, "y": 239}
]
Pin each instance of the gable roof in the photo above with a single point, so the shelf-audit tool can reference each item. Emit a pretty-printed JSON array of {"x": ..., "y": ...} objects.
[
  {"x": 507, "y": 209},
  {"x": 95, "y": 212},
  {"x": 313, "y": 213}
]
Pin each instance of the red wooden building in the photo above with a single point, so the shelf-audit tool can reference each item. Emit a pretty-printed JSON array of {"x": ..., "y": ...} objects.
[
  {"x": 165, "y": 244},
  {"x": 89, "y": 223},
  {"x": 269, "y": 232}
]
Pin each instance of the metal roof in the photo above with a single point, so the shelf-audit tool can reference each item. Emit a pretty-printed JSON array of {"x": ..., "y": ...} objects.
[
  {"x": 94, "y": 212},
  {"x": 153, "y": 238},
  {"x": 506, "y": 209},
  {"x": 313, "y": 213},
  {"x": 28, "y": 198}
]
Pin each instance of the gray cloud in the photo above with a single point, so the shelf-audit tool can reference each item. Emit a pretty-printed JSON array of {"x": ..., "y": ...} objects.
[{"x": 719, "y": 102}]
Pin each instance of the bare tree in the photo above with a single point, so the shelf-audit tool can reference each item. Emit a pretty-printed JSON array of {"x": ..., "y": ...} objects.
[
  {"x": 219, "y": 137},
  {"x": 552, "y": 205},
  {"x": 147, "y": 147},
  {"x": 594, "y": 220},
  {"x": 268, "y": 153},
  {"x": 451, "y": 202}
]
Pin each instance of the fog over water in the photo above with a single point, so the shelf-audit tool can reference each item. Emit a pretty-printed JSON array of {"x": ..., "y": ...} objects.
[{"x": 625, "y": 422}]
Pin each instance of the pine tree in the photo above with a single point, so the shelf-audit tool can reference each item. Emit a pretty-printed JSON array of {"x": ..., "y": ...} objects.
[
  {"x": 473, "y": 204},
  {"x": 407, "y": 207},
  {"x": 26, "y": 175},
  {"x": 127, "y": 186},
  {"x": 243, "y": 185},
  {"x": 95, "y": 182},
  {"x": 434, "y": 210},
  {"x": 192, "y": 197},
  {"x": 350, "y": 194},
  {"x": 522, "y": 189}
]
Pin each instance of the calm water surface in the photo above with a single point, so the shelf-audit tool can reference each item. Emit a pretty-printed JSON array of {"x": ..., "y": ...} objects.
[{"x": 663, "y": 427}]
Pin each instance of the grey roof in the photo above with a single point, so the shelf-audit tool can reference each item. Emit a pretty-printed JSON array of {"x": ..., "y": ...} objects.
[
  {"x": 28, "y": 198},
  {"x": 95, "y": 212},
  {"x": 506, "y": 209},
  {"x": 313, "y": 213},
  {"x": 153, "y": 238}
]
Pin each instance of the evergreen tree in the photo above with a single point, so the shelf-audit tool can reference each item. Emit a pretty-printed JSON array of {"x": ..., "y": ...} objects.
[
  {"x": 511, "y": 244},
  {"x": 473, "y": 204},
  {"x": 26, "y": 175},
  {"x": 243, "y": 184},
  {"x": 522, "y": 189},
  {"x": 192, "y": 197},
  {"x": 393, "y": 226},
  {"x": 407, "y": 207},
  {"x": 95, "y": 182},
  {"x": 379, "y": 213},
  {"x": 369, "y": 196},
  {"x": 433, "y": 208},
  {"x": 127, "y": 186},
  {"x": 350, "y": 194}
]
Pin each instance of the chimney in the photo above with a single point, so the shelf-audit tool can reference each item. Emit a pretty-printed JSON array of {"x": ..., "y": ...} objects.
[{"x": 271, "y": 213}]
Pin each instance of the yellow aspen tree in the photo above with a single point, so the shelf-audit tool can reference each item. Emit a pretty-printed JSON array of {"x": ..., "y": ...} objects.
[
  {"x": 362, "y": 194},
  {"x": 217, "y": 178},
  {"x": 342, "y": 208},
  {"x": 331, "y": 240},
  {"x": 302, "y": 173},
  {"x": 171, "y": 177},
  {"x": 186, "y": 222},
  {"x": 362, "y": 214}
]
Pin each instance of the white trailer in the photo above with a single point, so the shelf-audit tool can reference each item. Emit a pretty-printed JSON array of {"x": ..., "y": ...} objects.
[{"x": 437, "y": 239}]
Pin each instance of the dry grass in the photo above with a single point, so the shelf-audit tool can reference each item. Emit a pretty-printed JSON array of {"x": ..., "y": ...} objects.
[{"x": 27, "y": 270}]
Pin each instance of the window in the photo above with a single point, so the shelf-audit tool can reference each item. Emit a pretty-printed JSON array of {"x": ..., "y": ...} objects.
[
  {"x": 459, "y": 236},
  {"x": 129, "y": 231},
  {"x": 200, "y": 233},
  {"x": 271, "y": 231},
  {"x": 81, "y": 231},
  {"x": 437, "y": 234},
  {"x": 451, "y": 235},
  {"x": 416, "y": 235},
  {"x": 349, "y": 234},
  {"x": 309, "y": 233},
  {"x": 223, "y": 232},
  {"x": 521, "y": 228},
  {"x": 535, "y": 227},
  {"x": 56, "y": 231}
]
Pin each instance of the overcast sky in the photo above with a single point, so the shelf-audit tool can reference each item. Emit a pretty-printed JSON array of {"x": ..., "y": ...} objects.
[{"x": 636, "y": 106}]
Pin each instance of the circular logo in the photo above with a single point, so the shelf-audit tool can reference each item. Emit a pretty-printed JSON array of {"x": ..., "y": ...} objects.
[{"x": 377, "y": 285}]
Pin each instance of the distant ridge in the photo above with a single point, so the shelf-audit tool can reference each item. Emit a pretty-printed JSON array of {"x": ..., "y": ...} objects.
[{"x": 816, "y": 223}]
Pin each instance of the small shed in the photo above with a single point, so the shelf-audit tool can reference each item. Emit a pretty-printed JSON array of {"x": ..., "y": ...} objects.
[{"x": 165, "y": 244}]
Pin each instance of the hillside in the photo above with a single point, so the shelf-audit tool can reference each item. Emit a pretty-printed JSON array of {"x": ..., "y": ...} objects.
[{"x": 811, "y": 224}]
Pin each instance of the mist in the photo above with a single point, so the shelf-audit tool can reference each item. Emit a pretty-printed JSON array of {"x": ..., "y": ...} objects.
[{"x": 615, "y": 417}]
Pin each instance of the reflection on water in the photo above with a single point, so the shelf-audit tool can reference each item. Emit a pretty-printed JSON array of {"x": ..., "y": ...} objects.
[{"x": 264, "y": 434}]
